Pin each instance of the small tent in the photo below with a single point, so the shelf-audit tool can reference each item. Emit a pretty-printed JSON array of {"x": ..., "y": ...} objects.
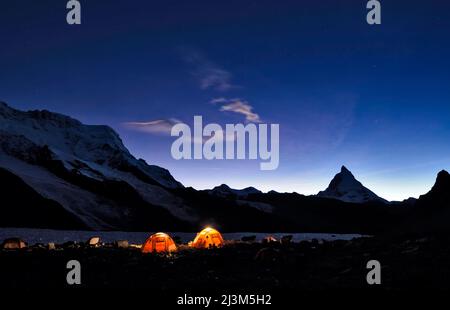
[
  {"x": 94, "y": 241},
  {"x": 14, "y": 243},
  {"x": 159, "y": 243},
  {"x": 207, "y": 238}
]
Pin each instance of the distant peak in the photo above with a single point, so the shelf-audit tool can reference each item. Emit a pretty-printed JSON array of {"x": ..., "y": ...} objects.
[
  {"x": 223, "y": 186},
  {"x": 440, "y": 188},
  {"x": 443, "y": 179},
  {"x": 443, "y": 174},
  {"x": 345, "y": 171},
  {"x": 226, "y": 190},
  {"x": 344, "y": 186},
  {"x": 250, "y": 188}
]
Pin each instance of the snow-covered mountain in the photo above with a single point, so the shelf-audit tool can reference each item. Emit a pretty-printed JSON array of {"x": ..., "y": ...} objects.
[
  {"x": 226, "y": 191},
  {"x": 86, "y": 169},
  {"x": 77, "y": 146},
  {"x": 64, "y": 174},
  {"x": 240, "y": 196},
  {"x": 56, "y": 172},
  {"x": 346, "y": 187}
]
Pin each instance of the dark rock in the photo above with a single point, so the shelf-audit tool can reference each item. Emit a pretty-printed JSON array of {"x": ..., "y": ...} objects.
[
  {"x": 122, "y": 244},
  {"x": 268, "y": 256},
  {"x": 248, "y": 238},
  {"x": 70, "y": 245},
  {"x": 286, "y": 239}
]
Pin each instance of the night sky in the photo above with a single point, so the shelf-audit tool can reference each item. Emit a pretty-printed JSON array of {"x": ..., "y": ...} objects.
[{"x": 373, "y": 98}]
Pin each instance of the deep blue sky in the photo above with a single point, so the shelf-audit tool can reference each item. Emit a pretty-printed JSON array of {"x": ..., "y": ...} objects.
[{"x": 375, "y": 98}]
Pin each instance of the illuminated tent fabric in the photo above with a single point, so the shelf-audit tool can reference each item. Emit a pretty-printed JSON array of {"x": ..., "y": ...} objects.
[
  {"x": 94, "y": 241},
  {"x": 159, "y": 243},
  {"x": 207, "y": 238},
  {"x": 14, "y": 243}
]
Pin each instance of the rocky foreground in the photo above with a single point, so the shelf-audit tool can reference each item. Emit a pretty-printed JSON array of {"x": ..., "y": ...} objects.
[{"x": 407, "y": 263}]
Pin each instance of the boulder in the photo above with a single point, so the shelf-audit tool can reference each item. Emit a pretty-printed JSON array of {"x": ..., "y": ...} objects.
[
  {"x": 268, "y": 256},
  {"x": 248, "y": 238},
  {"x": 286, "y": 239},
  {"x": 122, "y": 244}
]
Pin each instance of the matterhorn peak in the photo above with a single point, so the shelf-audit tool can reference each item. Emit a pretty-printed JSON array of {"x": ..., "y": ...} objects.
[
  {"x": 345, "y": 170},
  {"x": 346, "y": 173},
  {"x": 346, "y": 187}
]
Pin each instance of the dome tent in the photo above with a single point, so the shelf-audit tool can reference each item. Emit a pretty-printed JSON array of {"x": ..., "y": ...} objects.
[
  {"x": 159, "y": 243},
  {"x": 13, "y": 243},
  {"x": 207, "y": 238}
]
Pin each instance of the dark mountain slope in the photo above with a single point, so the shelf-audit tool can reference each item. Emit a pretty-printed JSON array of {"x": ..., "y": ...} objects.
[
  {"x": 229, "y": 214},
  {"x": 431, "y": 212},
  {"x": 314, "y": 214},
  {"x": 21, "y": 206}
]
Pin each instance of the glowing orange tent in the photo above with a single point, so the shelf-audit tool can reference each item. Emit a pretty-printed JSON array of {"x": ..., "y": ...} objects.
[
  {"x": 159, "y": 243},
  {"x": 207, "y": 238}
]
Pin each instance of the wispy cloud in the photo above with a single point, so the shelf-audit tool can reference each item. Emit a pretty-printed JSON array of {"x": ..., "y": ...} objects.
[
  {"x": 218, "y": 100},
  {"x": 159, "y": 126},
  {"x": 238, "y": 106},
  {"x": 215, "y": 78},
  {"x": 209, "y": 74},
  {"x": 164, "y": 127}
]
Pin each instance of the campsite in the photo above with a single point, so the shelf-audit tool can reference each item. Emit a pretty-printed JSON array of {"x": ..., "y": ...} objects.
[
  {"x": 224, "y": 152},
  {"x": 258, "y": 266}
]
